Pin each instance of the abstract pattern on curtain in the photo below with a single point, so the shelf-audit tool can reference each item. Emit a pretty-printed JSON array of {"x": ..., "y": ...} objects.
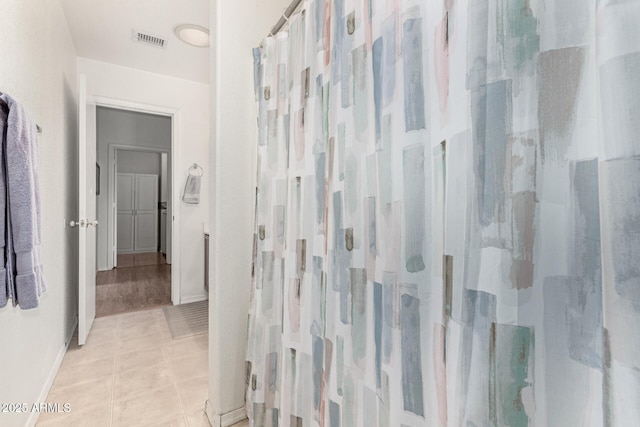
[{"x": 448, "y": 215}]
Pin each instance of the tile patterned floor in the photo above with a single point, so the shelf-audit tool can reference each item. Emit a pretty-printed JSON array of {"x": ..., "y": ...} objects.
[{"x": 131, "y": 373}]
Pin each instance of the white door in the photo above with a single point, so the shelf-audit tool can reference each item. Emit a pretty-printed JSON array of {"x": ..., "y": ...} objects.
[
  {"x": 86, "y": 222},
  {"x": 146, "y": 213},
  {"x": 126, "y": 210}
]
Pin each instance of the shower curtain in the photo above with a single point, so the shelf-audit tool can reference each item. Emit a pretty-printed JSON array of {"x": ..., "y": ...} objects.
[{"x": 448, "y": 215}]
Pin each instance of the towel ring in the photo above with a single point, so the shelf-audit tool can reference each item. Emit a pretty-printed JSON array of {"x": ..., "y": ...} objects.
[{"x": 196, "y": 167}]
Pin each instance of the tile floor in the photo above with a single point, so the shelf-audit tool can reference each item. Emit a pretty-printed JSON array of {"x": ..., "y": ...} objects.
[{"x": 131, "y": 373}]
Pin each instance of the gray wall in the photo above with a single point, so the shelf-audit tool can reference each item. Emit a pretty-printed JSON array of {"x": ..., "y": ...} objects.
[
  {"x": 138, "y": 162},
  {"x": 133, "y": 128},
  {"x": 119, "y": 127}
]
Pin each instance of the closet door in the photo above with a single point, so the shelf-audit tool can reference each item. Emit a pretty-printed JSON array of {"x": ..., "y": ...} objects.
[
  {"x": 146, "y": 213},
  {"x": 125, "y": 191}
]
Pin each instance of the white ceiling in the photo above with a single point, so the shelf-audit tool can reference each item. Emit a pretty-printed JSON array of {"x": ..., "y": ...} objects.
[{"x": 102, "y": 30}]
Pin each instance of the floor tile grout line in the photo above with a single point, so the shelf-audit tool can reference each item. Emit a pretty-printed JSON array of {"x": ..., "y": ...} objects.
[
  {"x": 113, "y": 391},
  {"x": 175, "y": 385},
  {"x": 160, "y": 337},
  {"x": 115, "y": 365}
]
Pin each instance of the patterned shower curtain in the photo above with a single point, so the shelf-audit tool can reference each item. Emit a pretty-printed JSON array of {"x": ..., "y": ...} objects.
[{"x": 448, "y": 215}]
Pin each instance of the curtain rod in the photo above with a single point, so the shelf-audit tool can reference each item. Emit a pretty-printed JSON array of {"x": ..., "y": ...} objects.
[{"x": 285, "y": 17}]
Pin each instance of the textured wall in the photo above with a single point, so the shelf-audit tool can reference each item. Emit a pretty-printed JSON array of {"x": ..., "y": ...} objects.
[
  {"x": 237, "y": 27},
  {"x": 447, "y": 216},
  {"x": 38, "y": 69}
]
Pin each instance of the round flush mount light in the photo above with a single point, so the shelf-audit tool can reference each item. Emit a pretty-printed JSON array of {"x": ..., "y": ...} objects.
[{"x": 192, "y": 34}]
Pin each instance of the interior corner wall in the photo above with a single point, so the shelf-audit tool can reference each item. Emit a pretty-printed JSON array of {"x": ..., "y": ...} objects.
[
  {"x": 191, "y": 100},
  {"x": 38, "y": 69},
  {"x": 238, "y": 28}
]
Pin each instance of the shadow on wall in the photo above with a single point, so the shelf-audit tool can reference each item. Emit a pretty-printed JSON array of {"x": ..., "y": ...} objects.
[{"x": 71, "y": 181}]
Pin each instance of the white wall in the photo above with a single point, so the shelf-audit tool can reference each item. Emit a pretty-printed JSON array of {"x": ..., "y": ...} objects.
[
  {"x": 139, "y": 162},
  {"x": 121, "y": 127},
  {"x": 237, "y": 27},
  {"x": 191, "y": 100},
  {"x": 38, "y": 68}
]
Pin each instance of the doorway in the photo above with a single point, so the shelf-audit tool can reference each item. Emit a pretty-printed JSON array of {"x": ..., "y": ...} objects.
[
  {"x": 134, "y": 248},
  {"x": 139, "y": 206}
]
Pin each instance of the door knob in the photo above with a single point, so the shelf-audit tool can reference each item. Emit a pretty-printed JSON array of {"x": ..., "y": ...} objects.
[{"x": 83, "y": 223}]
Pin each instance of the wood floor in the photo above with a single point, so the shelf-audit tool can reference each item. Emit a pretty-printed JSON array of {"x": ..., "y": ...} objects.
[
  {"x": 140, "y": 282},
  {"x": 138, "y": 260}
]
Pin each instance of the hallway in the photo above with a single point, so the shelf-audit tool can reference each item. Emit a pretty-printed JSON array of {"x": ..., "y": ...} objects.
[
  {"x": 131, "y": 373},
  {"x": 140, "y": 282},
  {"x": 129, "y": 361}
]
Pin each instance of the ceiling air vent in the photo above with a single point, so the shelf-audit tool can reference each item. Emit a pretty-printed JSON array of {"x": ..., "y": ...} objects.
[{"x": 149, "y": 39}]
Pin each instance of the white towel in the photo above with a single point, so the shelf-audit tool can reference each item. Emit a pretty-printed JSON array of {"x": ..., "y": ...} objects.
[{"x": 192, "y": 190}]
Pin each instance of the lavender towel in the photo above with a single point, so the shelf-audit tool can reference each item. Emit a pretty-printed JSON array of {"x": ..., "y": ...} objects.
[
  {"x": 6, "y": 292},
  {"x": 22, "y": 233}
]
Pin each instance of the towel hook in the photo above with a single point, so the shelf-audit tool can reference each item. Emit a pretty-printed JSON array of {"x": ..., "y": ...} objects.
[{"x": 196, "y": 167}]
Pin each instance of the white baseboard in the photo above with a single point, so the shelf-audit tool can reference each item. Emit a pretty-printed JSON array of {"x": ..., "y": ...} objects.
[
  {"x": 46, "y": 387},
  {"x": 196, "y": 298},
  {"x": 233, "y": 417},
  {"x": 225, "y": 420}
]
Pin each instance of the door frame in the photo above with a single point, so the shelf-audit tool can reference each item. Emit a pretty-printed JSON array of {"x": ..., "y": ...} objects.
[
  {"x": 173, "y": 253},
  {"x": 112, "y": 214},
  {"x": 112, "y": 232},
  {"x": 112, "y": 223},
  {"x": 86, "y": 277}
]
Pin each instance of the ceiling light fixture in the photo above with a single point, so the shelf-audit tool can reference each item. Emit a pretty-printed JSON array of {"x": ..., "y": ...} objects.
[{"x": 192, "y": 34}]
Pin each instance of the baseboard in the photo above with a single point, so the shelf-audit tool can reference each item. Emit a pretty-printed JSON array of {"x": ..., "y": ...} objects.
[
  {"x": 196, "y": 298},
  {"x": 225, "y": 420},
  {"x": 234, "y": 417},
  {"x": 46, "y": 387}
]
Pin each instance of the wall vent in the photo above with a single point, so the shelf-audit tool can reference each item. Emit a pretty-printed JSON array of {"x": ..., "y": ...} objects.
[{"x": 149, "y": 39}]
